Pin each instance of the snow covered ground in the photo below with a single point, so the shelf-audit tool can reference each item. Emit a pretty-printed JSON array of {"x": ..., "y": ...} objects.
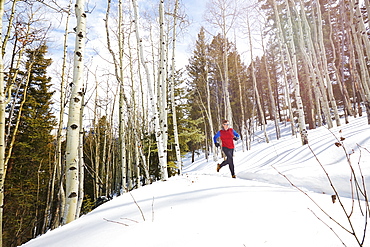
[{"x": 259, "y": 208}]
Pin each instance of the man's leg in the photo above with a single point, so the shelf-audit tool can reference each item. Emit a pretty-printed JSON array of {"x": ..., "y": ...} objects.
[
  {"x": 225, "y": 162},
  {"x": 229, "y": 159}
]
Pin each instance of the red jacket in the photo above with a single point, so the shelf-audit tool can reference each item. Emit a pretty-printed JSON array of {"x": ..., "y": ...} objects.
[{"x": 227, "y": 137}]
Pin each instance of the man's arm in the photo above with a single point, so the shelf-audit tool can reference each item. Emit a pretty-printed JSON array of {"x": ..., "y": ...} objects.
[{"x": 218, "y": 134}]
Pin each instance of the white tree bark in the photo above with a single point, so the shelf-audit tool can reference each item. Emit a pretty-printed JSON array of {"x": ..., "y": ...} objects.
[
  {"x": 74, "y": 117},
  {"x": 122, "y": 127},
  {"x": 174, "y": 116},
  {"x": 293, "y": 63},
  {"x": 162, "y": 93},
  {"x": 81, "y": 169},
  {"x": 325, "y": 65},
  {"x": 314, "y": 64},
  {"x": 152, "y": 96},
  {"x": 258, "y": 100},
  {"x": 284, "y": 72},
  {"x": 271, "y": 94}
]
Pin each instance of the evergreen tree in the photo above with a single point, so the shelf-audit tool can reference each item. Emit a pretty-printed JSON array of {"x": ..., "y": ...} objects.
[
  {"x": 197, "y": 71},
  {"x": 26, "y": 187},
  {"x": 206, "y": 95}
]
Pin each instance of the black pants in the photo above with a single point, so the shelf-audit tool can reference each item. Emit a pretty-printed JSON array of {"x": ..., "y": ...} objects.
[{"x": 229, "y": 159}]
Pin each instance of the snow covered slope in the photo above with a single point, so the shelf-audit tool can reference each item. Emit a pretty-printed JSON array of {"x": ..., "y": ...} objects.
[{"x": 259, "y": 208}]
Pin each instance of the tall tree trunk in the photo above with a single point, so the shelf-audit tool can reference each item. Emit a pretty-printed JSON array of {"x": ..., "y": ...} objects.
[
  {"x": 325, "y": 65},
  {"x": 258, "y": 100},
  {"x": 282, "y": 62},
  {"x": 81, "y": 169},
  {"x": 243, "y": 131},
  {"x": 339, "y": 78},
  {"x": 96, "y": 137},
  {"x": 359, "y": 46},
  {"x": 153, "y": 98},
  {"x": 74, "y": 120},
  {"x": 294, "y": 66},
  {"x": 162, "y": 93},
  {"x": 58, "y": 172},
  {"x": 270, "y": 93},
  {"x": 174, "y": 115},
  {"x": 312, "y": 63}
]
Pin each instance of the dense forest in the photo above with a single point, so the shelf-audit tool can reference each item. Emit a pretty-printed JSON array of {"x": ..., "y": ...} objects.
[{"x": 113, "y": 113}]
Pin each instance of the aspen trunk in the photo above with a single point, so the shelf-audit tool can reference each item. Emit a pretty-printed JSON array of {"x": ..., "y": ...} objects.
[
  {"x": 174, "y": 116},
  {"x": 57, "y": 173},
  {"x": 325, "y": 66},
  {"x": 162, "y": 93},
  {"x": 284, "y": 72},
  {"x": 365, "y": 77},
  {"x": 293, "y": 63},
  {"x": 81, "y": 170},
  {"x": 340, "y": 80},
  {"x": 153, "y": 98},
  {"x": 209, "y": 114},
  {"x": 74, "y": 119},
  {"x": 271, "y": 95},
  {"x": 258, "y": 100}
]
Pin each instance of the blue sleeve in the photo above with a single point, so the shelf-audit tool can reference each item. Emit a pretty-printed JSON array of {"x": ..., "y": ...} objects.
[
  {"x": 236, "y": 134},
  {"x": 218, "y": 134}
]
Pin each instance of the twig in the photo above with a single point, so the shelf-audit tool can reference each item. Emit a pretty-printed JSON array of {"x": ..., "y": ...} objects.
[
  {"x": 142, "y": 214},
  {"x": 130, "y": 220},
  {"x": 153, "y": 209},
  {"x": 364, "y": 186},
  {"x": 328, "y": 227},
  {"x": 117, "y": 222},
  {"x": 291, "y": 183},
  {"x": 336, "y": 193}
]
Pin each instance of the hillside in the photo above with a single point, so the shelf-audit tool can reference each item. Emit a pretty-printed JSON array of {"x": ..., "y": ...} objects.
[{"x": 259, "y": 208}]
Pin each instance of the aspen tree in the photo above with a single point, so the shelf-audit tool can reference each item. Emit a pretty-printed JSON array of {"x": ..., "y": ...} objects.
[
  {"x": 81, "y": 171},
  {"x": 122, "y": 102},
  {"x": 293, "y": 61},
  {"x": 282, "y": 63},
  {"x": 96, "y": 137},
  {"x": 359, "y": 46},
  {"x": 153, "y": 99},
  {"x": 133, "y": 116},
  {"x": 343, "y": 90},
  {"x": 311, "y": 65},
  {"x": 224, "y": 14},
  {"x": 145, "y": 124},
  {"x": 162, "y": 91},
  {"x": 316, "y": 65},
  {"x": 57, "y": 172},
  {"x": 244, "y": 132},
  {"x": 74, "y": 119},
  {"x": 209, "y": 112},
  {"x": 258, "y": 100},
  {"x": 119, "y": 73},
  {"x": 174, "y": 116},
  {"x": 270, "y": 93},
  {"x": 325, "y": 65}
]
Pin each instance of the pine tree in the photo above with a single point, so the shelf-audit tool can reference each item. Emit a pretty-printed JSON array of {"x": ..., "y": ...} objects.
[
  {"x": 197, "y": 71},
  {"x": 28, "y": 174},
  {"x": 206, "y": 94}
]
